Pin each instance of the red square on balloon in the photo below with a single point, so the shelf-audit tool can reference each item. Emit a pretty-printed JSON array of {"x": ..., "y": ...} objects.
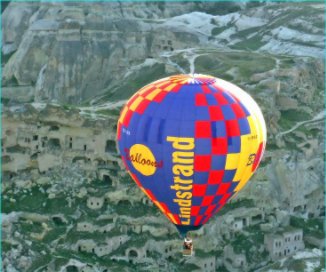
[
  {"x": 203, "y": 129},
  {"x": 219, "y": 146},
  {"x": 176, "y": 88},
  {"x": 238, "y": 111},
  {"x": 224, "y": 199},
  {"x": 207, "y": 200},
  {"x": 232, "y": 128},
  {"x": 222, "y": 189},
  {"x": 195, "y": 210},
  {"x": 201, "y": 100},
  {"x": 198, "y": 219},
  {"x": 202, "y": 162},
  {"x": 206, "y": 89},
  {"x": 142, "y": 106},
  {"x": 210, "y": 210},
  {"x": 119, "y": 128},
  {"x": 199, "y": 189},
  {"x": 127, "y": 118},
  {"x": 148, "y": 91},
  {"x": 221, "y": 99},
  {"x": 215, "y": 176},
  {"x": 160, "y": 96},
  {"x": 215, "y": 113},
  {"x": 132, "y": 99}
]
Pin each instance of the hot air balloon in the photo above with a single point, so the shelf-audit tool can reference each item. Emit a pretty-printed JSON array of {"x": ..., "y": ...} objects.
[{"x": 191, "y": 142}]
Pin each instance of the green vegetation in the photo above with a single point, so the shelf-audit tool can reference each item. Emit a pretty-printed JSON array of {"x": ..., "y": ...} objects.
[
  {"x": 313, "y": 132},
  {"x": 289, "y": 118},
  {"x": 6, "y": 246},
  {"x": 313, "y": 226},
  {"x": 217, "y": 64},
  {"x": 85, "y": 257},
  {"x": 12, "y": 82},
  {"x": 5, "y": 101},
  {"x": 319, "y": 24},
  {"x": 181, "y": 61},
  {"x": 305, "y": 11},
  {"x": 271, "y": 146},
  {"x": 223, "y": 269},
  {"x": 30, "y": 227},
  {"x": 252, "y": 43},
  {"x": 28, "y": 202},
  {"x": 241, "y": 244},
  {"x": 5, "y": 58},
  {"x": 100, "y": 184},
  {"x": 218, "y": 30},
  {"x": 69, "y": 107},
  {"x": 321, "y": 266},
  {"x": 40, "y": 261},
  {"x": 249, "y": 244},
  {"x": 73, "y": 236},
  {"x": 297, "y": 265},
  {"x": 134, "y": 82},
  {"x": 52, "y": 205},
  {"x": 287, "y": 62},
  {"x": 247, "y": 203},
  {"x": 201, "y": 253},
  {"x": 109, "y": 112},
  {"x": 223, "y": 7},
  {"x": 190, "y": 267},
  {"x": 295, "y": 115},
  {"x": 137, "y": 241},
  {"x": 17, "y": 149},
  {"x": 138, "y": 209},
  {"x": 54, "y": 234},
  {"x": 285, "y": 124},
  {"x": 265, "y": 161}
]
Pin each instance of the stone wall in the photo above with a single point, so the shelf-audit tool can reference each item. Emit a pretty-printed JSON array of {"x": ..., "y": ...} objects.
[
  {"x": 284, "y": 244},
  {"x": 50, "y": 142}
]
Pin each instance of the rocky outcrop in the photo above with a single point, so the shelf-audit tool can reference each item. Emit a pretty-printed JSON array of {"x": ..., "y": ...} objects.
[{"x": 71, "y": 53}]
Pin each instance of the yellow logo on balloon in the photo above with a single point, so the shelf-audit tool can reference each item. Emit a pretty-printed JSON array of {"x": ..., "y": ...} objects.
[{"x": 143, "y": 159}]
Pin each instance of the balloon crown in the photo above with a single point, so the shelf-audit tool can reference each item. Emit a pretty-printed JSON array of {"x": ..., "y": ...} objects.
[{"x": 193, "y": 79}]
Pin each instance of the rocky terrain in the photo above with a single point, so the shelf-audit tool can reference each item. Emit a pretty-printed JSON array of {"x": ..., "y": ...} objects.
[
  {"x": 71, "y": 53},
  {"x": 68, "y": 69}
]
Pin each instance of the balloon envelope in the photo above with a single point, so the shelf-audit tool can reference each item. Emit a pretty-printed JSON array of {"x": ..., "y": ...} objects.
[{"x": 190, "y": 142}]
